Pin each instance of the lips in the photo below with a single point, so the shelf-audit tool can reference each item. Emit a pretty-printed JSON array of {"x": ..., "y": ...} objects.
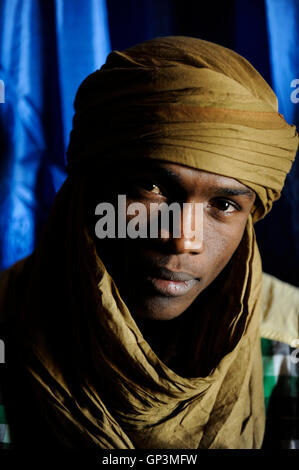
[
  {"x": 171, "y": 283},
  {"x": 172, "y": 288}
]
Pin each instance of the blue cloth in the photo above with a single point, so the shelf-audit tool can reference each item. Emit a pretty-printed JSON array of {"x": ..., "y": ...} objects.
[
  {"x": 46, "y": 49},
  {"x": 282, "y": 19}
]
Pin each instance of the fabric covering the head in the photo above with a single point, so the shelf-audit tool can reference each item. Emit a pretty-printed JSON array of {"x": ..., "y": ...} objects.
[
  {"x": 92, "y": 374},
  {"x": 186, "y": 101}
]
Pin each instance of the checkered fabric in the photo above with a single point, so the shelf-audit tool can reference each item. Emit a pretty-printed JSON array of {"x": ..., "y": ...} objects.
[
  {"x": 281, "y": 391},
  {"x": 5, "y": 441}
]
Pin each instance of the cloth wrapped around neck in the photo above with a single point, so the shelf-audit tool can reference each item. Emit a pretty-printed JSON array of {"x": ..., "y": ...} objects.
[{"x": 94, "y": 377}]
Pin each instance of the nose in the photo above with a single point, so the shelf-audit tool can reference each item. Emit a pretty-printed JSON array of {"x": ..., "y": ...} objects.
[{"x": 185, "y": 235}]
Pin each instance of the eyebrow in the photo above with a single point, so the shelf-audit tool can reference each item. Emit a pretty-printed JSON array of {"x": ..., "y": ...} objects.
[
  {"x": 163, "y": 173},
  {"x": 225, "y": 191},
  {"x": 166, "y": 172}
]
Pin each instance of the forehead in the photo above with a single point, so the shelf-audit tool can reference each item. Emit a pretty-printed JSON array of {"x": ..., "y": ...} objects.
[{"x": 185, "y": 175}]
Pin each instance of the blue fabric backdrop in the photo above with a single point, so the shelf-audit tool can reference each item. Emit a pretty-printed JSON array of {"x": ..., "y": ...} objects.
[
  {"x": 46, "y": 49},
  {"x": 48, "y": 46}
]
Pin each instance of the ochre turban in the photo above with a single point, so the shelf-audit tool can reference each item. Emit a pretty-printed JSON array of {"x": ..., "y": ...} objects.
[{"x": 187, "y": 101}]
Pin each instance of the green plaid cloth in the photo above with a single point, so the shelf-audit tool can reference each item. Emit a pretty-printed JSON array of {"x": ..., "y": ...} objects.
[
  {"x": 281, "y": 391},
  {"x": 5, "y": 441}
]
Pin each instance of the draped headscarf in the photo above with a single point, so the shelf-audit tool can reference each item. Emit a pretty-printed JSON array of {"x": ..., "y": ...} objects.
[
  {"x": 191, "y": 102},
  {"x": 93, "y": 375}
]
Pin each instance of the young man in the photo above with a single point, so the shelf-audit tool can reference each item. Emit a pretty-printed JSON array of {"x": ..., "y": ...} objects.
[{"x": 155, "y": 342}]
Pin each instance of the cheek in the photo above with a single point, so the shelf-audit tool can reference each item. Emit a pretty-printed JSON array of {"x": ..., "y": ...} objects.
[
  {"x": 221, "y": 243},
  {"x": 137, "y": 212}
]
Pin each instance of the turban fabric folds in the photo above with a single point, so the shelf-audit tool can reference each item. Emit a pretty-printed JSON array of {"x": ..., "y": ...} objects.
[
  {"x": 95, "y": 378},
  {"x": 186, "y": 101}
]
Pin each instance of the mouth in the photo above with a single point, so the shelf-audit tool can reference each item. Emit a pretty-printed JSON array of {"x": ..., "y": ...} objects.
[
  {"x": 171, "y": 288},
  {"x": 170, "y": 283}
]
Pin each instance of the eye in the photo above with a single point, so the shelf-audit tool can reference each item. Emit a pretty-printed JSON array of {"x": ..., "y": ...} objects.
[
  {"x": 142, "y": 186},
  {"x": 151, "y": 187},
  {"x": 225, "y": 205}
]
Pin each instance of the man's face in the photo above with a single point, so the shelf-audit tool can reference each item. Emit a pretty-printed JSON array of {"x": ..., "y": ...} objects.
[{"x": 159, "y": 278}]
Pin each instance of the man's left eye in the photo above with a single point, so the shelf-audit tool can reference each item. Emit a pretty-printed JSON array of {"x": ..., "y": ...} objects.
[{"x": 224, "y": 205}]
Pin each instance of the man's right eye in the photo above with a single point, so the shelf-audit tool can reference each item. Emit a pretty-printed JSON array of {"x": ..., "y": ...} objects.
[
  {"x": 151, "y": 187},
  {"x": 142, "y": 186}
]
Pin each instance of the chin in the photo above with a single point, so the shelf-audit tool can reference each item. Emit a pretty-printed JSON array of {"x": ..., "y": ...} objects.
[
  {"x": 153, "y": 309},
  {"x": 160, "y": 316}
]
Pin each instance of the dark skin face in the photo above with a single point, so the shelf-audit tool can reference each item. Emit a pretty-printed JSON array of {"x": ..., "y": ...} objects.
[{"x": 159, "y": 278}]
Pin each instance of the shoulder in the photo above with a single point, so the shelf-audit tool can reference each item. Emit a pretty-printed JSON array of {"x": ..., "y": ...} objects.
[
  {"x": 280, "y": 311},
  {"x": 4, "y": 427},
  {"x": 280, "y": 349},
  {"x": 12, "y": 281}
]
